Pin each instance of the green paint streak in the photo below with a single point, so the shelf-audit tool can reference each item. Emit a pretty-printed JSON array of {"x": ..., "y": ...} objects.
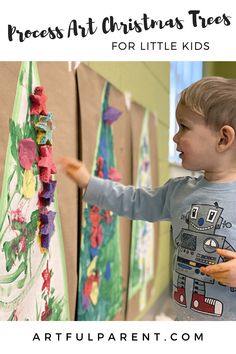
[
  {"x": 5, "y": 214},
  {"x": 62, "y": 254},
  {"x": 135, "y": 273},
  {"x": 12, "y": 251},
  {"x": 11, "y": 318},
  {"x": 16, "y": 109},
  {"x": 30, "y": 81},
  {"x": 12, "y": 277},
  {"x": 10, "y": 306},
  {"x": 37, "y": 312},
  {"x": 56, "y": 306},
  {"x": 19, "y": 90}
]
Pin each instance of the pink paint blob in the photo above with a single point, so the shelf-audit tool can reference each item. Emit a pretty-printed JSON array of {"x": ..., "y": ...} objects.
[{"x": 26, "y": 153}]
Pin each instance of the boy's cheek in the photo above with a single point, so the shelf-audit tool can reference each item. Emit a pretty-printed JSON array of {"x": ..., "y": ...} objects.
[{"x": 186, "y": 146}]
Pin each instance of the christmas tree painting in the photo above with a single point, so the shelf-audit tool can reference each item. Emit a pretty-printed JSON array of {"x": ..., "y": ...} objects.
[
  {"x": 142, "y": 244},
  {"x": 32, "y": 269},
  {"x": 100, "y": 281}
]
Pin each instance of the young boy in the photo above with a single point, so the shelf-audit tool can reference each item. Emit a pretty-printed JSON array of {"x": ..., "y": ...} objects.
[{"x": 202, "y": 210}]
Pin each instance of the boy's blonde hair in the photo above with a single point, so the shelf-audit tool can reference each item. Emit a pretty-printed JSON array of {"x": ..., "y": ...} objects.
[{"x": 214, "y": 98}]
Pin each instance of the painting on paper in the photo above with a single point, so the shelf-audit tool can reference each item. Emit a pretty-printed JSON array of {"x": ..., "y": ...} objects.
[
  {"x": 33, "y": 282},
  {"x": 100, "y": 282},
  {"x": 142, "y": 246}
]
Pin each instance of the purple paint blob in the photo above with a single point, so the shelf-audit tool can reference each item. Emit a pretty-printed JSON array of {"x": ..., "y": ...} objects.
[
  {"x": 85, "y": 301},
  {"x": 111, "y": 115},
  {"x": 47, "y": 195}
]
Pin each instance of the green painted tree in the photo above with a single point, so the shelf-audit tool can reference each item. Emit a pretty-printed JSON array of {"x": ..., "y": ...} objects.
[
  {"x": 32, "y": 272},
  {"x": 100, "y": 284}
]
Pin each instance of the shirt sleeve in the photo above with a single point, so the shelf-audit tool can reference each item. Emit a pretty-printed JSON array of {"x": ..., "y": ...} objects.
[{"x": 135, "y": 203}]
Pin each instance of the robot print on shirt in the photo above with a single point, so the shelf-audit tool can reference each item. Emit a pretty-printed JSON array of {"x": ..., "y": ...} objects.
[{"x": 196, "y": 248}]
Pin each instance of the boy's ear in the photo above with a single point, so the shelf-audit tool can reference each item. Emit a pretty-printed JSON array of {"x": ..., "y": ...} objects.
[{"x": 226, "y": 138}]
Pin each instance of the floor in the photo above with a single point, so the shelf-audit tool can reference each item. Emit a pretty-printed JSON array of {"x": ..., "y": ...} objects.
[
  {"x": 162, "y": 310},
  {"x": 166, "y": 313}
]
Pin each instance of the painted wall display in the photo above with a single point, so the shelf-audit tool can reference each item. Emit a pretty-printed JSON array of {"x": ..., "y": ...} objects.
[
  {"x": 142, "y": 246},
  {"x": 143, "y": 257},
  {"x": 61, "y": 89},
  {"x": 33, "y": 282},
  {"x": 103, "y": 276}
]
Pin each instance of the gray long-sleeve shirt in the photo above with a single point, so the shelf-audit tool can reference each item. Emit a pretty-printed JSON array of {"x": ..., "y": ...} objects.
[{"x": 203, "y": 218}]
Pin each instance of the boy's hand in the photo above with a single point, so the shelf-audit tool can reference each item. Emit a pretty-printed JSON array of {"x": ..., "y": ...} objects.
[
  {"x": 225, "y": 272},
  {"x": 76, "y": 170}
]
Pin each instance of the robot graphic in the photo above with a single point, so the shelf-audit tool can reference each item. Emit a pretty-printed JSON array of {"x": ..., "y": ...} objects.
[{"x": 197, "y": 247}]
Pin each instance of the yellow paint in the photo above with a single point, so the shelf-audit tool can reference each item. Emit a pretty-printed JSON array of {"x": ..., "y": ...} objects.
[
  {"x": 28, "y": 188},
  {"x": 40, "y": 136},
  {"x": 92, "y": 266},
  {"x": 42, "y": 250},
  {"x": 143, "y": 298},
  {"x": 94, "y": 294}
]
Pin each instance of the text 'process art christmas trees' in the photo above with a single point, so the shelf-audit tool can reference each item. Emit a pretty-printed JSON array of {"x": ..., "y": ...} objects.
[
  {"x": 33, "y": 283},
  {"x": 100, "y": 286}
]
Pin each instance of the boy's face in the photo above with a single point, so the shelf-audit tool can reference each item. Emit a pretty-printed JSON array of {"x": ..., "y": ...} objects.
[{"x": 195, "y": 141}]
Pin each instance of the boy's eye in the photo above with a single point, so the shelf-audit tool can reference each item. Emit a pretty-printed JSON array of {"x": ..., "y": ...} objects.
[{"x": 182, "y": 126}]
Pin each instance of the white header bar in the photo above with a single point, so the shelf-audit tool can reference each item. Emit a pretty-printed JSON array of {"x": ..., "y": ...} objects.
[{"x": 118, "y": 31}]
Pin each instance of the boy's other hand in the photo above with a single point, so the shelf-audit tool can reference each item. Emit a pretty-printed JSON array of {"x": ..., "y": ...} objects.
[
  {"x": 76, "y": 170},
  {"x": 225, "y": 272}
]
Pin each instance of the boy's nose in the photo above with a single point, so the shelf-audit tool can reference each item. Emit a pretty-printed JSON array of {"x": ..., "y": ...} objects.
[{"x": 175, "y": 138}]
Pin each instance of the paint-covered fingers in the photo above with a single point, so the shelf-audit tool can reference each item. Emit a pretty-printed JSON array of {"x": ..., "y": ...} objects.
[
  {"x": 65, "y": 161},
  {"x": 76, "y": 170}
]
